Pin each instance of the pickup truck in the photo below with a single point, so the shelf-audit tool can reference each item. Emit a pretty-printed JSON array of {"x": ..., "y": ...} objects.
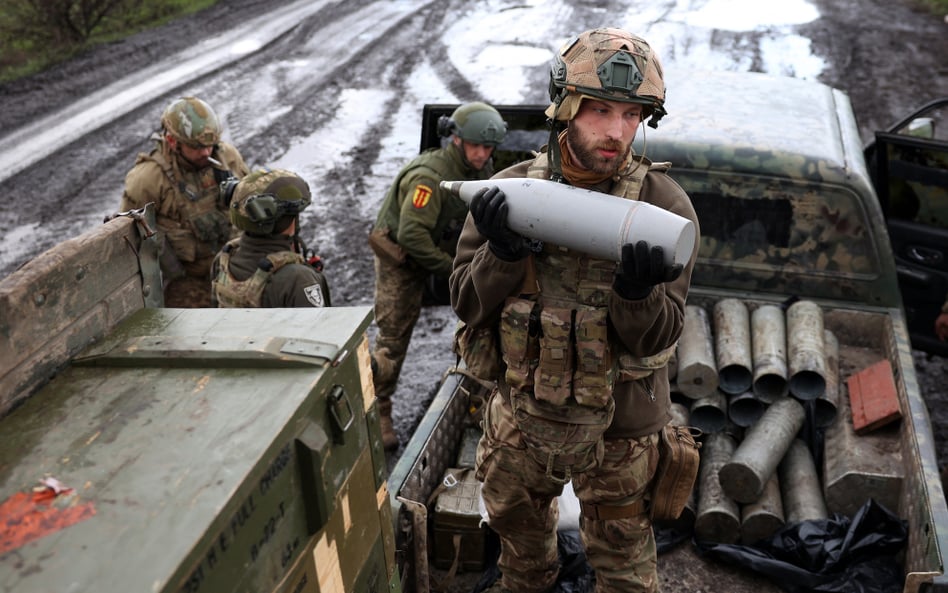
[
  {"x": 788, "y": 211},
  {"x": 144, "y": 448}
]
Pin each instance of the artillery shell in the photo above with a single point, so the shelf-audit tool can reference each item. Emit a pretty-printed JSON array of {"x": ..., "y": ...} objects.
[
  {"x": 709, "y": 413},
  {"x": 732, "y": 346},
  {"x": 825, "y": 406},
  {"x": 800, "y": 485},
  {"x": 697, "y": 372},
  {"x": 759, "y": 454},
  {"x": 806, "y": 356},
  {"x": 744, "y": 409},
  {"x": 763, "y": 517},
  {"x": 718, "y": 518},
  {"x": 769, "y": 352}
]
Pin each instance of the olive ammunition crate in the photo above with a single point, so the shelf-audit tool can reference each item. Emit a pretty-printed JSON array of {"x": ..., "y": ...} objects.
[
  {"x": 203, "y": 450},
  {"x": 459, "y": 536}
]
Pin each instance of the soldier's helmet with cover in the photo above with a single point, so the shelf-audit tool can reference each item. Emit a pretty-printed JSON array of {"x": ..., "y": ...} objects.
[
  {"x": 474, "y": 122},
  {"x": 267, "y": 200},
  {"x": 608, "y": 64},
  {"x": 191, "y": 121}
]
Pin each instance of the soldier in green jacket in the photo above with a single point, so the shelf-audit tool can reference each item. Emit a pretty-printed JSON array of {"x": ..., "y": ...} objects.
[
  {"x": 182, "y": 176},
  {"x": 415, "y": 237},
  {"x": 267, "y": 265}
]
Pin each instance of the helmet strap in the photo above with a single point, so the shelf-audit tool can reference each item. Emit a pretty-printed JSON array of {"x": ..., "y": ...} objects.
[{"x": 553, "y": 147}]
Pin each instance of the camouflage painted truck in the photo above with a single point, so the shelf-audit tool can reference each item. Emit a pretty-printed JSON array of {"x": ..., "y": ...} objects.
[
  {"x": 182, "y": 451},
  {"x": 788, "y": 213}
]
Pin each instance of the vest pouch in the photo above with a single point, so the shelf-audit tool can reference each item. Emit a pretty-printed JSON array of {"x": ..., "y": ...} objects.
[
  {"x": 211, "y": 227},
  {"x": 479, "y": 350},
  {"x": 518, "y": 341},
  {"x": 554, "y": 373},
  {"x": 387, "y": 250},
  {"x": 678, "y": 461},
  {"x": 595, "y": 376},
  {"x": 564, "y": 439},
  {"x": 183, "y": 243}
]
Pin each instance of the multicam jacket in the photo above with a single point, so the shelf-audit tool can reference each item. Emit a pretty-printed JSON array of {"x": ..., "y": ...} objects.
[
  {"x": 596, "y": 347},
  {"x": 186, "y": 200},
  {"x": 420, "y": 216}
]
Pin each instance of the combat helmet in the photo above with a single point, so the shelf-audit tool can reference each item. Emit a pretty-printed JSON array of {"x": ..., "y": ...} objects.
[
  {"x": 265, "y": 201},
  {"x": 191, "y": 121},
  {"x": 475, "y": 122},
  {"x": 609, "y": 64}
]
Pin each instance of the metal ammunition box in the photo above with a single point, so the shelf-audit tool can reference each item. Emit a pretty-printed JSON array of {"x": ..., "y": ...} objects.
[
  {"x": 208, "y": 450},
  {"x": 459, "y": 536}
]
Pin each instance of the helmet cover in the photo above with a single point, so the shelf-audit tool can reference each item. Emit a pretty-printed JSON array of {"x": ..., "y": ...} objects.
[
  {"x": 608, "y": 64},
  {"x": 265, "y": 197},
  {"x": 191, "y": 121}
]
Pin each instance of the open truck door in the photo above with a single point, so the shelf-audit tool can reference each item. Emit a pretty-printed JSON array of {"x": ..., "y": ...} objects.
[{"x": 908, "y": 164}]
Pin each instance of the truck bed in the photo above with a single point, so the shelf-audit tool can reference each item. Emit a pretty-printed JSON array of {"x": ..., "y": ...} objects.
[{"x": 864, "y": 338}]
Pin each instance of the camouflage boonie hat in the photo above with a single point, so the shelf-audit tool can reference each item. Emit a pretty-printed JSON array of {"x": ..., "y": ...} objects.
[
  {"x": 192, "y": 121},
  {"x": 265, "y": 196},
  {"x": 608, "y": 64}
]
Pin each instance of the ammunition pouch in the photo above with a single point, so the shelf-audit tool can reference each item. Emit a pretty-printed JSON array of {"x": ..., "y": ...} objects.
[
  {"x": 678, "y": 460},
  {"x": 387, "y": 250},
  {"x": 212, "y": 227},
  {"x": 171, "y": 268},
  {"x": 478, "y": 348}
]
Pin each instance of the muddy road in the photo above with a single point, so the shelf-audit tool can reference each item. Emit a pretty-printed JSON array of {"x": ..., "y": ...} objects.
[{"x": 338, "y": 98}]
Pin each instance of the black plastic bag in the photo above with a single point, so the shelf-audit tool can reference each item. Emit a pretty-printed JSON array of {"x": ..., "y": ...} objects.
[{"x": 835, "y": 555}]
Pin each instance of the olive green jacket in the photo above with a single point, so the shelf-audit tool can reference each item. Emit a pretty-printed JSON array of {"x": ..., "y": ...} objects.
[{"x": 423, "y": 218}]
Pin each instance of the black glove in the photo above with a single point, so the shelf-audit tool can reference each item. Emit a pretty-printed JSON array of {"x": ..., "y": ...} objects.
[
  {"x": 489, "y": 211},
  {"x": 642, "y": 267}
]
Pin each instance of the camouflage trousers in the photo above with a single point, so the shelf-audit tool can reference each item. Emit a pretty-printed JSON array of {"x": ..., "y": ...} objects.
[
  {"x": 521, "y": 503},
  {"x": 398, "y": 296}
]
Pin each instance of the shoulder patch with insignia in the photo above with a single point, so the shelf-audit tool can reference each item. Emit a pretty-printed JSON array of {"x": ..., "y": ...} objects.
[
  {"x": 421, "y": 196},
  {"x": 314, "y": 294}
]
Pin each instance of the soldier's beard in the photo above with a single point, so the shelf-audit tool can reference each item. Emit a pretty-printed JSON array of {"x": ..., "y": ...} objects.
[{"x": 587, "y": 155}]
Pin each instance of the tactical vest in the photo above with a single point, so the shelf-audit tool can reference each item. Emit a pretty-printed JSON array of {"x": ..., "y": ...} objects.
[
  {"x": 562, "y": 363},
  {"x": 230, "y": 292},
  {"x": 197, "y": 202}
]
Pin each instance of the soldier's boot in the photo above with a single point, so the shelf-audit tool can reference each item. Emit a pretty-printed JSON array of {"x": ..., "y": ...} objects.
[{"x": 389, "y": 436}]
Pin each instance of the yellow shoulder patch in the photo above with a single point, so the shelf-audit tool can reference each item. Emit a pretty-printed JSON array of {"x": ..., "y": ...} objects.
[{"x": 421, "y": 196}]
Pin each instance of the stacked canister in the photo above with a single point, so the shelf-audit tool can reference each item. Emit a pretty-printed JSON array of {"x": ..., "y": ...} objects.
[{"x": 762, "y": 384}]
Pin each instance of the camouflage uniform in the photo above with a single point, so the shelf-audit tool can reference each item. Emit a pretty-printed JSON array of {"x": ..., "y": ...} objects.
[
  {"x": 585, "y": 389},
  {"x": 423, "y": 220},
  {"x": 289, "y": 283},
  {"x": 190, "y": 215}
]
